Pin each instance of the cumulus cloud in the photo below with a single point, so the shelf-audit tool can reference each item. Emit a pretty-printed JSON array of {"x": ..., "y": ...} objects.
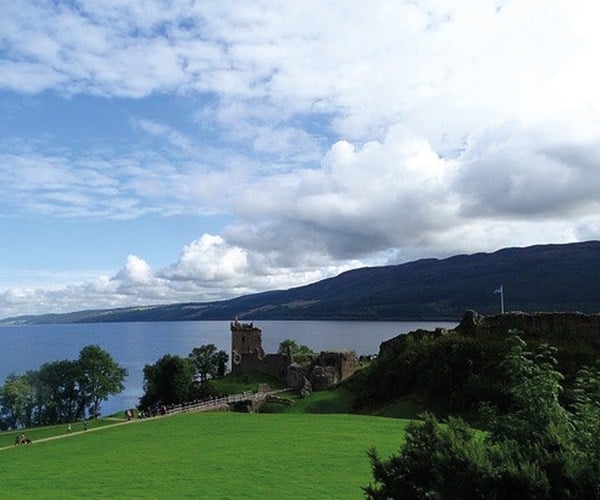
[
  {"x": 360, "y": 200},
  {"x": 209, "y": 259},
  {"x": 208, "y": 269},
  {"x": 135, "y": 272}
]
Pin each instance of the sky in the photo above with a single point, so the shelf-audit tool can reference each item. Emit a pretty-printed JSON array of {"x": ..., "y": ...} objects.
[{"x": 156, "y": 151}]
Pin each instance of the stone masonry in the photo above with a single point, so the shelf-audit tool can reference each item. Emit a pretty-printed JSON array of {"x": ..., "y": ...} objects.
[{"x": 323, "y": 371}]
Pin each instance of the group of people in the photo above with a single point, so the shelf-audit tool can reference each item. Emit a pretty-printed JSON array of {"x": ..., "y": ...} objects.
[
  {"x": 22, "y": 439},
  {"x": 153, "y": 411}
]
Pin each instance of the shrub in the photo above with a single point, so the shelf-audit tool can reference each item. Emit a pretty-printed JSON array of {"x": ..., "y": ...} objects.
[{"x": 537, "y": 448}]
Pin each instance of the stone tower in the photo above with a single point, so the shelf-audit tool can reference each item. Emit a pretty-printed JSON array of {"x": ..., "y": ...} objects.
[{"x": 245, "y": 339}]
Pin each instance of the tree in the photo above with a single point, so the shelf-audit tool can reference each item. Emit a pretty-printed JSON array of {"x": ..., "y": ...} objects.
[
  {"x": 587, "y": 426},
  {"x": 208, "y": 361},
  {"x": 536, "y": 449},
  {"x": 169, "y": 380},
  {"x": 435, "y": 462},
  {"x": 17, "y": 401},
  {"x": 300, "y": 353},
  {"x": 99, "y": 377},
  {"x": 57, "y": 382}
]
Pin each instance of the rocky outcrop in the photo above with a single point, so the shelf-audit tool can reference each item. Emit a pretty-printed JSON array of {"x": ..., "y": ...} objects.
[{"x": 264, "y": 388}]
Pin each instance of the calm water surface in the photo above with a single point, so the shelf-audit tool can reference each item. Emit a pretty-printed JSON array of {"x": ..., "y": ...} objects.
[{"x": 134, "y": 345}]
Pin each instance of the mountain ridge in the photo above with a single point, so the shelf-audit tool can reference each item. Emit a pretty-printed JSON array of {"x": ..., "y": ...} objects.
[{"x": 550, "y": 277}]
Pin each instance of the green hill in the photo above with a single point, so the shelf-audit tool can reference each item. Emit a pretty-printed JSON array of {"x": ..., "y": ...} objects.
[
  {"x": 456, "y": 371},
  {"x": 205, "y": 455},
  {"x": 537, "y": 278}
]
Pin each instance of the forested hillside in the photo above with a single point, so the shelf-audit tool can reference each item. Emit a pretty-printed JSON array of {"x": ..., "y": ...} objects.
[{"x": 539, "y": 278}]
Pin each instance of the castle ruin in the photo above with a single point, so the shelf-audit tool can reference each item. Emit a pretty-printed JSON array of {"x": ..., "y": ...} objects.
[
  {"x": 565, "y": 326},
  {"x": 321, "y": 372},
  {"x": 572, "y": 327}
]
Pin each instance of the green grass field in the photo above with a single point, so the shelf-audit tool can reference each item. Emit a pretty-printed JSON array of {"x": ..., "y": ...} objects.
[
  {"x": 205, "y": 455},
  {"x": 7, "y": 438}
]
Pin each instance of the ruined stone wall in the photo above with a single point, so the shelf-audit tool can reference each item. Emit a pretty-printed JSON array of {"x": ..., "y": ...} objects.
[
  {"x": 569, "y": 326},
  {"x": 346, "y": 363},
  {"x": 270, "y": 364}
]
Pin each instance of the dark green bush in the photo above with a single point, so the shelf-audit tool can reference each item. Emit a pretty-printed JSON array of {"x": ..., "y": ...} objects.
[{"x": 535, "y": 447}]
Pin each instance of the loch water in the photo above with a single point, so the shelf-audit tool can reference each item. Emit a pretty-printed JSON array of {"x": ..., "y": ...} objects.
[{"x": 134, "y": 345}]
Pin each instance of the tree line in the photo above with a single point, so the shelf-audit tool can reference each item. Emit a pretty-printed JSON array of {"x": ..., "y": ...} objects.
[
  {"x": 70, "y": 390},
  {"x": 61, "y": 391}
]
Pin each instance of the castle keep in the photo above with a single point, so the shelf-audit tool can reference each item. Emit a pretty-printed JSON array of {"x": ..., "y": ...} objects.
[
  {"x": 321, "y": 372},
  {"x": 245, "y": 339}
]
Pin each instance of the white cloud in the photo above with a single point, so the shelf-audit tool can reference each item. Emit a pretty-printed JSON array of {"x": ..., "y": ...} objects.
[
  {"x": 210, "y": 259},
  {"x": 135, "y": 272},
  {"x": 175, "y": 137},
  {"x": 360, "y": 200},
  {"x": 443, "y": 69},
  {"x": 347, "y": 132},
  {"x": 208, "y": 269}
]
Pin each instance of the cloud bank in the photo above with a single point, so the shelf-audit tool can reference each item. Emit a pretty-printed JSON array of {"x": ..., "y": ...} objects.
[{"x": 334, "y": 135}]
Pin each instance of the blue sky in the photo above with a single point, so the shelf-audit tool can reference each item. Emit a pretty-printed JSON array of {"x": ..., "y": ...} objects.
[{"x": 158, "y": 151}]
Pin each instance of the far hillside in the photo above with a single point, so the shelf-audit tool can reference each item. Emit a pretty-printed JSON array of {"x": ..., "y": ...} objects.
[{"x": 538, "y": 278}]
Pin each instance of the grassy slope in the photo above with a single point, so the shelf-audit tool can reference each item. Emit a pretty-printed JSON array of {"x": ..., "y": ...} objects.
[
  {"x": 341, "y": 400},
  {"x": 206, "y": 456},
  {"x": 337, "y": 400},
  {"x": 7, "y": 438}
]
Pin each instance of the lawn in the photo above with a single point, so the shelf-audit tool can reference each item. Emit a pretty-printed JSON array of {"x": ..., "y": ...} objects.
[
  {"x": 7, "y": 438},
  {"x": 206, "y": 455}
]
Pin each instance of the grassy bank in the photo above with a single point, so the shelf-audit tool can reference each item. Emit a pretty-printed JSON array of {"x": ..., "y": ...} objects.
[{"x": 206, "y": 456}]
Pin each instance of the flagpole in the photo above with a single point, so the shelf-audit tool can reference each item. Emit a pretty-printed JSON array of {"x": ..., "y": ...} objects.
[{"x": 501, "y": 292}]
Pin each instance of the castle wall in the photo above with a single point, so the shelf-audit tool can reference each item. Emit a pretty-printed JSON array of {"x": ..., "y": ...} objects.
[
  {"x": 570, "y": 326},
  {"x": 345, "y": 363},
  {"x": 270, "y": 364}
]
